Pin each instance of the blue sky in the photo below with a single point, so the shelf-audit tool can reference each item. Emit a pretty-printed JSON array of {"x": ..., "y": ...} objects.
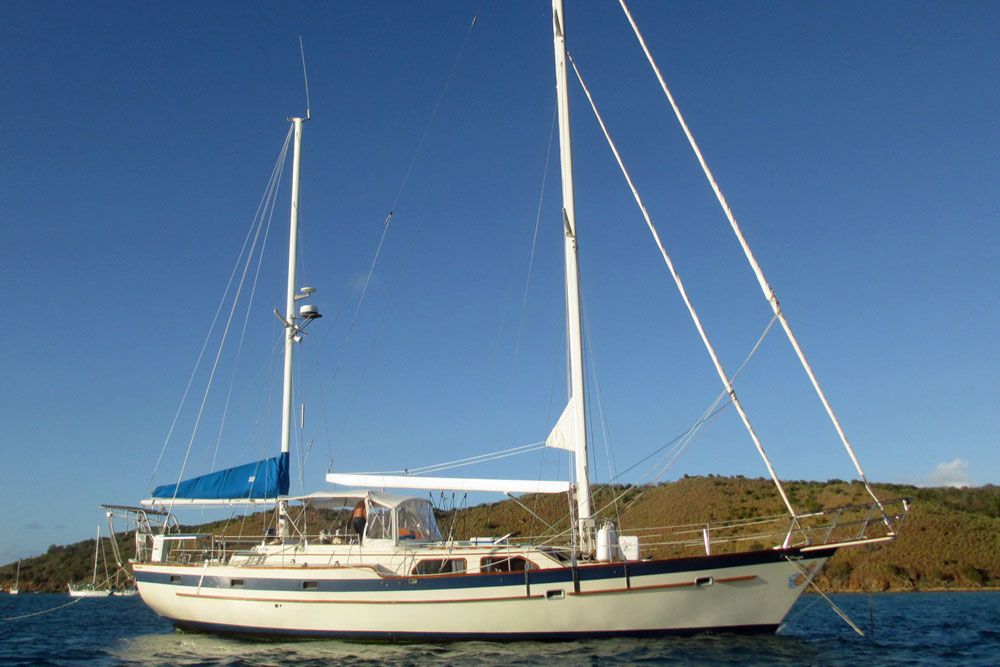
[{"x": 856, "y": 142}]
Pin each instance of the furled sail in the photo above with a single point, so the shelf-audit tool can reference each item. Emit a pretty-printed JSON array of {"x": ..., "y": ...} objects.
[
  {"x": 261, "y": 479},
  {"x": 563, "y": 435}
]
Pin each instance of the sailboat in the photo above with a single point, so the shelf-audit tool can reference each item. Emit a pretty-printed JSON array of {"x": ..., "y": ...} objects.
[
  {"x": 128, "y": 589},
  {"x": 384, "y": 571},
  {"x": 15, "y": 589},
  {"x": 91, "y": 590}
]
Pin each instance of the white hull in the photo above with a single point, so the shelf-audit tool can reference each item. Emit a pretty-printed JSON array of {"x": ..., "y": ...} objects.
[
  {"x": 398, "y": 578},
  {"x": 89, "y": 593},
  {"x": 642, "y": 598}
]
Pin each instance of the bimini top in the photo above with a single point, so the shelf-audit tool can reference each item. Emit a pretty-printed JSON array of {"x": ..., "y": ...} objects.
[
  {"x": 389, "y": 516},
  {"x": 342, "y": 499}
]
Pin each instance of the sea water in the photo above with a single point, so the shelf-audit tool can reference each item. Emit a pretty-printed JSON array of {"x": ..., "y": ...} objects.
[{"x": 900, "y": 629}]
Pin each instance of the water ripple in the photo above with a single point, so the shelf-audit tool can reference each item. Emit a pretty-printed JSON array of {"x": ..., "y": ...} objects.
[{"x": 902, "y": 629}]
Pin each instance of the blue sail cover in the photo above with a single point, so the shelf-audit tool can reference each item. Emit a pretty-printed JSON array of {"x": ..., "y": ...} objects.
[{"x": 260, "y": 479}]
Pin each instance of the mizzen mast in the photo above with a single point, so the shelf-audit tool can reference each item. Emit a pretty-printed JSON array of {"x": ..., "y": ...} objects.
[{"x": 293, "y": 331}]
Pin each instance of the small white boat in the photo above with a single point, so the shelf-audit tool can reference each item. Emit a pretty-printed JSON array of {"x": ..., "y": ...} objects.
[
  {"x": 85, "y": 591},
  {"x": 90, "y": 590}
]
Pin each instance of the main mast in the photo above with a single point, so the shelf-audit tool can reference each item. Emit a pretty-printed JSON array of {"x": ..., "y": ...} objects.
[{"x": 573, "y": 326}]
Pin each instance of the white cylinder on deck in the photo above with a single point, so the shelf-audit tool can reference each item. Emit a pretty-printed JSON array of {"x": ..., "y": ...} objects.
[{"x": 607, "y": 542}]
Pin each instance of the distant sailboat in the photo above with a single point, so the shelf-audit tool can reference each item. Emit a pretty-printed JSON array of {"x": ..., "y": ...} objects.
[
  {"x": 14, "y": 590},
  {"x": 129, "y": 589},
  {"x": 91, "y": 590}
]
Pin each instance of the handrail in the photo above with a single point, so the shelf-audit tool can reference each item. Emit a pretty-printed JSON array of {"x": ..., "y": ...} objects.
[{"x": 851, "y": 524}]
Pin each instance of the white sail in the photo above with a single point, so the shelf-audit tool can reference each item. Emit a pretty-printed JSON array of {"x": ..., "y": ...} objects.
[{"x": 563, "y": 435}]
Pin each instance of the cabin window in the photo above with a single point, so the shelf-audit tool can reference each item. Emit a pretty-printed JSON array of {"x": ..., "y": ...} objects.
[
  {"x": 237, "y": 583},
  {"x": 175, "y": 579},
  {"x": 440, "y": 566},
  {"x": 309, "y": 586},
  {"x": 505, "y": 564}
]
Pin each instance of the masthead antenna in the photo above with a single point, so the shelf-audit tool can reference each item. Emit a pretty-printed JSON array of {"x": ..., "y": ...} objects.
[{"x": 305, "y": 76}]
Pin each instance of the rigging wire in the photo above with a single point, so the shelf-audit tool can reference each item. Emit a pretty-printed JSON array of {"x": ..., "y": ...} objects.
[
  {"x": 507, "y": 302},
  {"x": 215, "y": 365},
  {"x": 385, "y": 226},
  {"x": 269, "y": 212},
  {"x": 681, "y": 443},
  {"x": 491, "y": 367},
  {"x": 402, "y": 185},
  {"x": 534, "y": 237},
  {"x": 529, "y": 271},
  {"x": 769, "y": 294},
  {"x": 250, "y": 233},
  {"x": 726, "y": 381},
  {"x": 711, "y": 413},
  {"x": 588, "y": 344},
  {"x": 371, "y": 346},
  {"x": 480, "y": 458},
  {"x": 809, "y": 576},
  {"x": 437, "y": 105},
  {"x": 305, "y": 77},
  {"x": 361, "y": 299}
]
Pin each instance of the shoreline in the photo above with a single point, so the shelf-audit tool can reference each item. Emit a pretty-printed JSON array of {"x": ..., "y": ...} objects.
[{"x": 983, "y": 589}]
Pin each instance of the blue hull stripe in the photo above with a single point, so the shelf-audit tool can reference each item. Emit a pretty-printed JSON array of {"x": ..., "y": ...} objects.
[{"x": 557, "y": 576}]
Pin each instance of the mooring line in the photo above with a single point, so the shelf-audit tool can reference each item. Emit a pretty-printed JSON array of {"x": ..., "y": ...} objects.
[{"x": 39, "y": 613}]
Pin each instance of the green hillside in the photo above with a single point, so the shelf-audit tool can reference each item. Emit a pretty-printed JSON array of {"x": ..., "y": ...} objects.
[
  {"x": 951, "y": 538},
  {"x": 950, "y": 541}
]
